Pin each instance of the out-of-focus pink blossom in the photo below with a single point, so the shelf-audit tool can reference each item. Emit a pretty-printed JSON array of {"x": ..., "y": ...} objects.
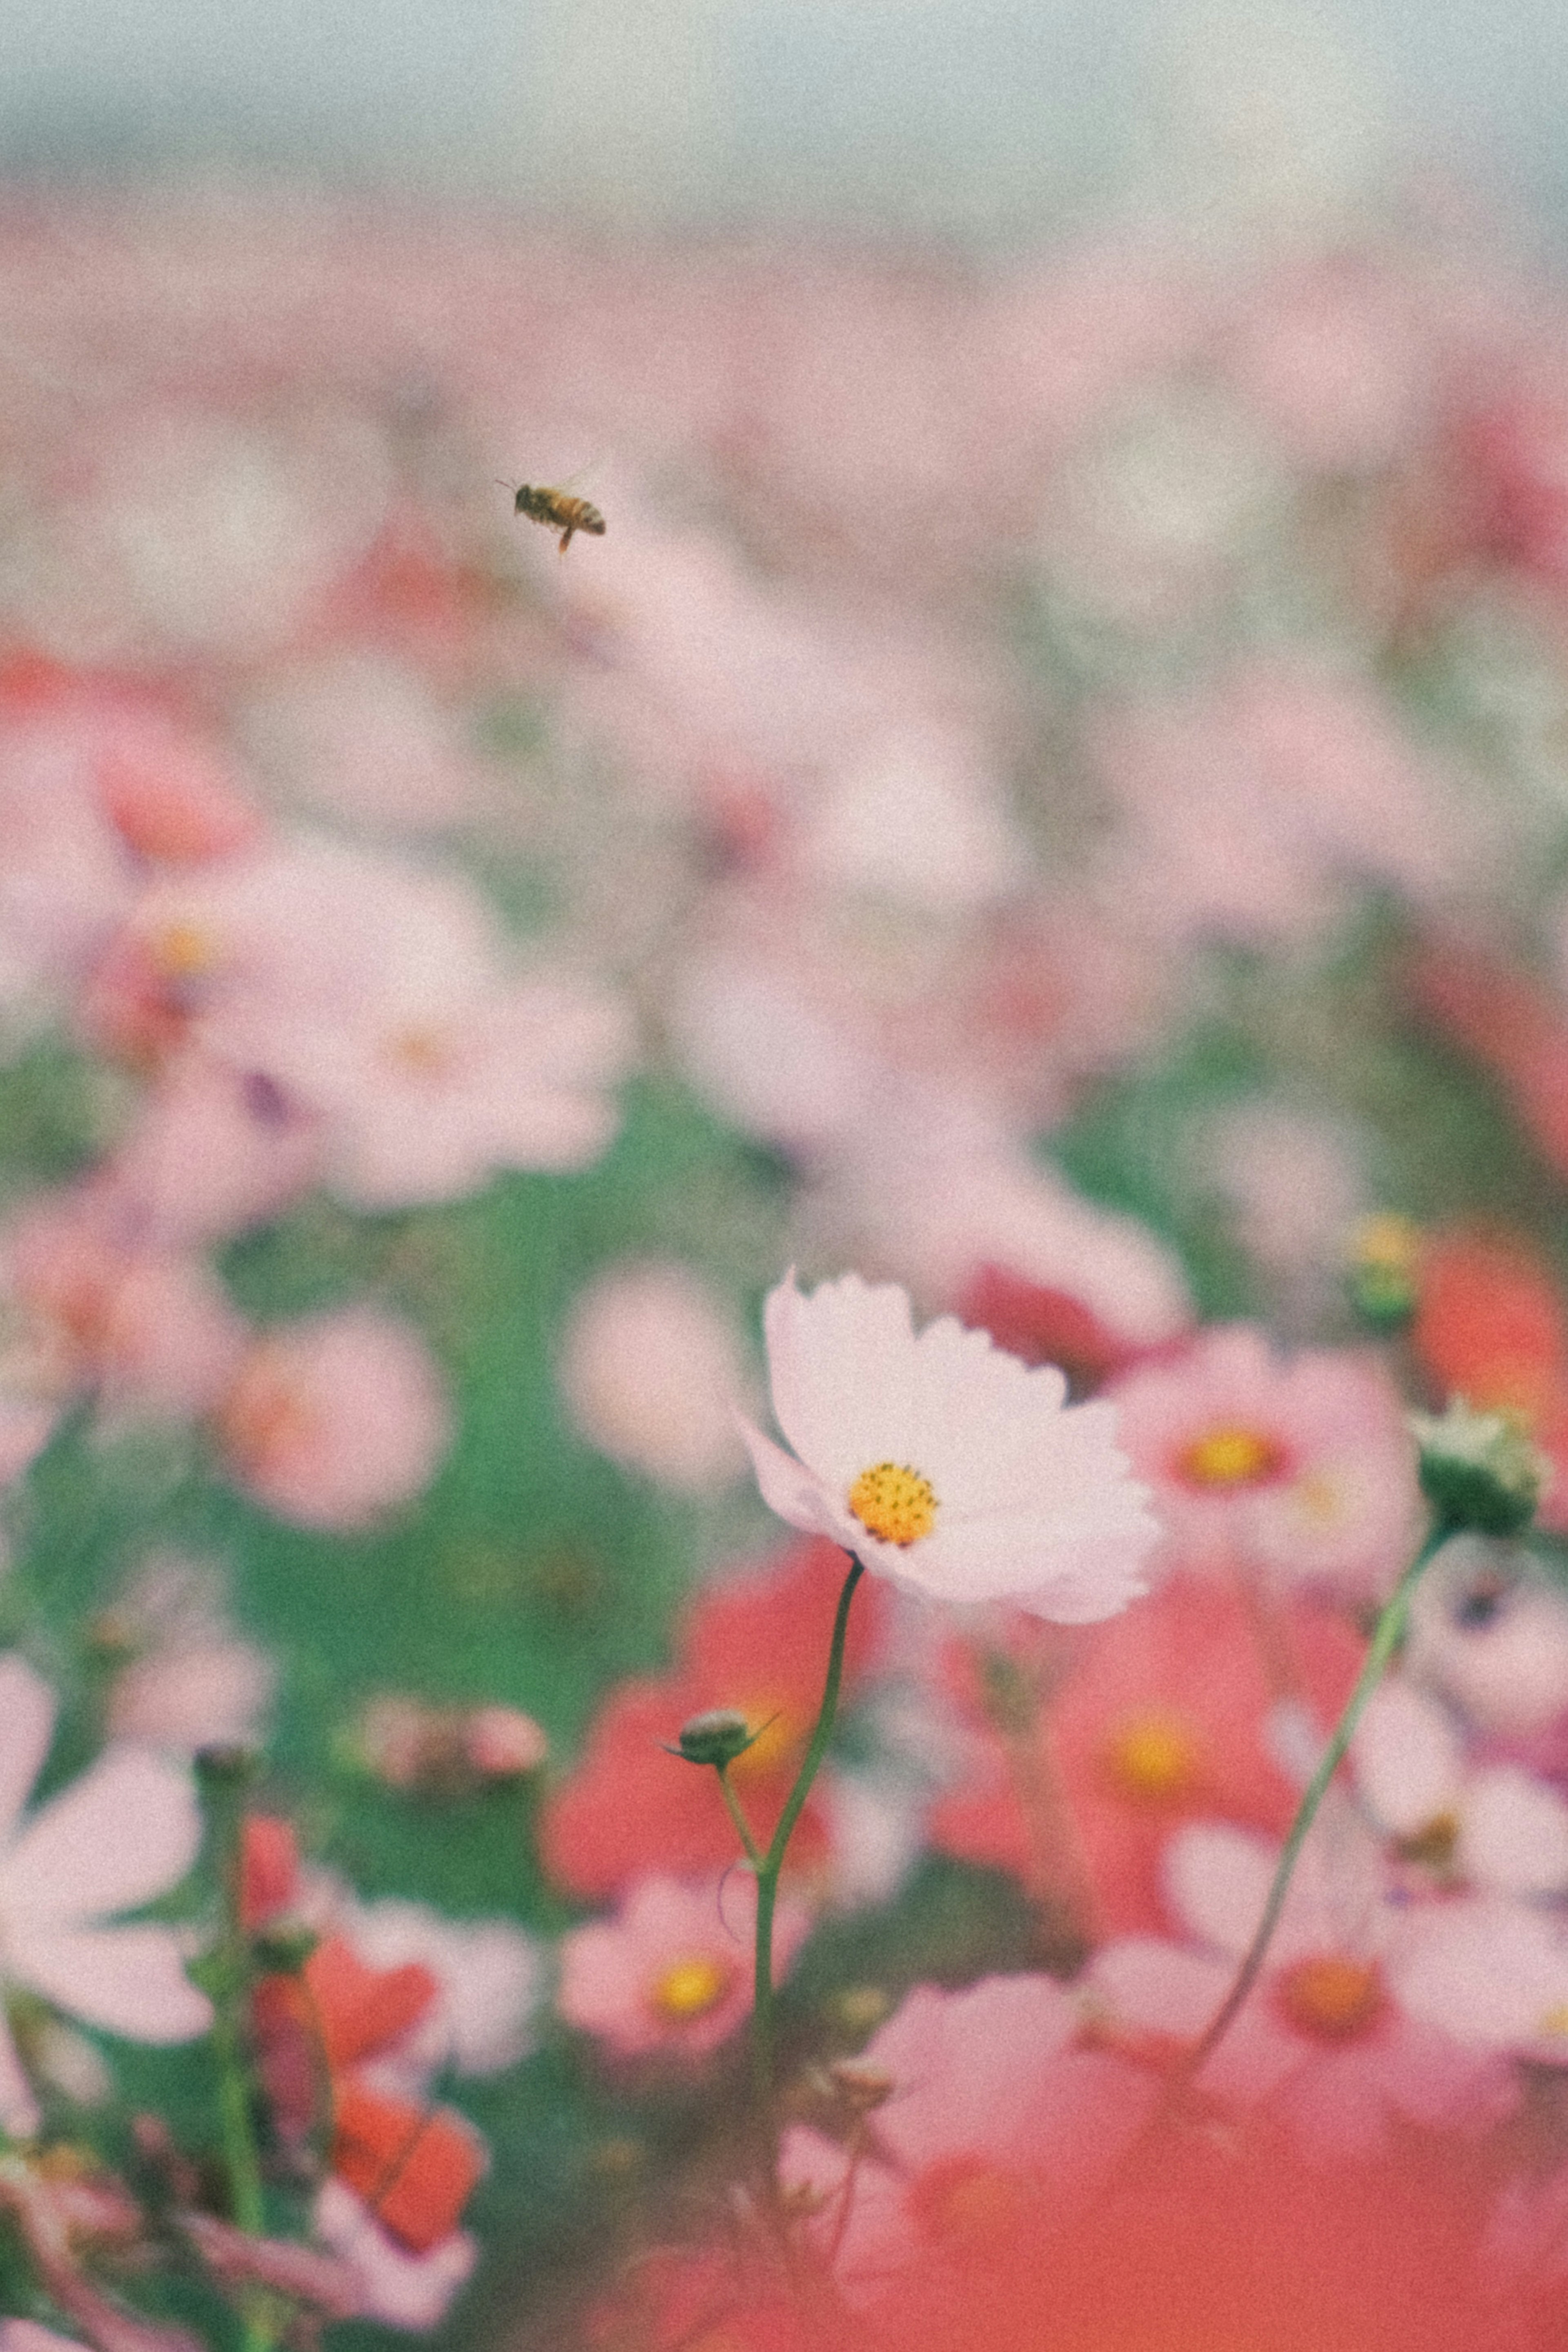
[
  {"x": 1329, "y": 2034},
  {"x": 488, "y": 1976},
  {"x": 125, "y": 1832},
  {"x": 362, "y": 738},
  {"x": 334, "y": 1420},
  {"x": 1299, "y": 1468},
  {"x": 651, "y": 1372},
  {"x": 670, "y": 1975},
  {"x": 989, "y": 2118},
  {"x": 213, "y": 1149},
  {"x": 401, "y": 2288},
  {"x": 189, "y": 1682},
  {"x": 1489, "y": 1633},
  {"x": 1493, "y": 1826}
]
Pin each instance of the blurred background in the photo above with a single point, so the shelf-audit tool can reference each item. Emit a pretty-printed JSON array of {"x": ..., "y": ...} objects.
[{"x": 973, "y": 118}]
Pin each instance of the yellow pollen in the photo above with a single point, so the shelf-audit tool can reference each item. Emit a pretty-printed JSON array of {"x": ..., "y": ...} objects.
[
  {"x": 1388, "y": 1244},
  {"x": 1555, "y": 2022},
  {"x": 690, "y": 1988},
  {"x": 894, "y": 1502},
  {"x": 1332, "y": 1998},
  {"x": 183, "y": 951},
  {"x": 1226, "y": 1457},
  {"x": 1155, "y": 1757}
]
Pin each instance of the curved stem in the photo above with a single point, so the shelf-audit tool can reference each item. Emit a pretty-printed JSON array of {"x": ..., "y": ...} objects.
[
  {"x": 768, "y": 1866},
  {"x": 1387, "y": 1635}
]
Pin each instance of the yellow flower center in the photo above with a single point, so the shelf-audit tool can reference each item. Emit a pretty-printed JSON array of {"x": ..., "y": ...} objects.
[
  {"x": 420, "y": 1053},
  {"x": 1388, "y": 1244},
  {"x": 894, "y": 1502},
  {"x": 1555, "y": 2022},
  {"x": 688, "y": 1988},
  {"x": 1333, "y": 1999},
  {"x": 1231, "y": 1456},
  {"x": 183, "y": 951},
  {"x": 1155, "y": 1757}
]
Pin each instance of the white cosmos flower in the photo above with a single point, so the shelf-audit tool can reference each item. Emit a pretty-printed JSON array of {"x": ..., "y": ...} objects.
[
  {"x": 943, "y": 1464},
  {"x": 123, "y": 1833}
]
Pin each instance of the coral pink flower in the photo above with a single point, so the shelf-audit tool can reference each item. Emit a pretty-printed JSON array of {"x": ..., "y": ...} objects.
[
  {"x": 335, "y": 1420},
  {"x": 991, "y": 2121},
  {"x": 1167, "y": 1715},
  {"x": 125, "y": 1832},
  {"x": 756, "y": 1644},
  {"x": 1510, "y": 1024},
  {"x": 1326, "y": 2035},
  {"x": 1302, "y": 1470},
  {"x": 671, "y": 1975},
  {"x": 1491, "y": 1326},
  {"x": 946, "y": 1466}
]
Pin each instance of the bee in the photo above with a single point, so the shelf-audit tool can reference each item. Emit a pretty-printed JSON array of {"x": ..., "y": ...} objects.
[{"x": 560, "y": 511}]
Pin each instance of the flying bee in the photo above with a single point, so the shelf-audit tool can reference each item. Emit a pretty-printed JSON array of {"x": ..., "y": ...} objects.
[{"x": 560, "y": 512}]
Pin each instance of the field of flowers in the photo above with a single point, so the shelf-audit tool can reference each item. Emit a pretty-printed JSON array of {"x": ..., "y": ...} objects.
[{"x": 562, "y": 1784}]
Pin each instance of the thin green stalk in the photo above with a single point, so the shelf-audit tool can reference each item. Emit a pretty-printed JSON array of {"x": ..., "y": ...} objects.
[
  {"x": 227, "y": 1977},
  {"x": 768, "y": 1866},
  {"x": 742, "y": 1826},
  {"x": 1386, "y": 1639}
]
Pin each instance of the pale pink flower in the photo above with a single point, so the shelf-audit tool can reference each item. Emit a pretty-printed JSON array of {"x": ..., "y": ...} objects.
[
  {"x": 1494, "y": 1825},
  {"x": 984, "y": 2092},
  {"x": 1328, "y": 2033},
  {"x": 671, "y": 1974},
  {"x": 148, "y": 1327},
  {"x": 335, "y": 1420},
  {"x": 362, "y": 737},
  {"x": 27, "y": 2335},
  {"x": 1493, "y": 1972},
  {"x": 1489, "y": 1633},
  {"x": 651, "y": 1370},
  {"x": 941, "y": 1464},
  {"x": 1299, "y": 1467},
  {"x": 400, "y": 2288},
  {"x": 126, "y": 1831},
  {"x": 191, "y": 1681},
  {"x": 919, "y": 818},
  {"x": 213, "y": 1149},
  {"x": 378, "y": 999},
  {"x": 489, "y": 1975}
]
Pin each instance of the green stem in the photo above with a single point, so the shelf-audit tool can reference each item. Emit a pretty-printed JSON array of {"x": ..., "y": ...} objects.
[
  {"x": 229, "y": 1980},
  {"x": 1386, "y": 1636},
  {"x": 742, "y": 1826},
  {"x": 768, "y": 1866}
]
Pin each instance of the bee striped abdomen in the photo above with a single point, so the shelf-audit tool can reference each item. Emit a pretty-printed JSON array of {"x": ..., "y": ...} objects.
[{"x": 562, "y": 513}]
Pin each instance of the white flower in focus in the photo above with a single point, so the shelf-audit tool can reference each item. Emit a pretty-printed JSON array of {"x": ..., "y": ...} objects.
[
  {"x": 122, "y": 1835},
  {"x": 943, "y": 1464}
]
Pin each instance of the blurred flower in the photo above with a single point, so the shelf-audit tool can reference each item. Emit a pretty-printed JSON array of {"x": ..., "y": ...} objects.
[
  {"x": 1488, "y": 1631},
  {"x": 1328, "y": 2033},
  {"x": 1300, "y": 1469},
  {"x": 125, "y": 1832},
  {"x": 190, "y": 1681},
  {"x": 755, "y": 1644},
  {"x": 335, "y": 1420},
  {"x": 1491, "y": 1824},
  {"x": 403, "y": 2286},
  {"x": 650, "y": 1369},
  {"x": 670, "y": 1975},
  {"x": 991, "y": 2122},
  {"x": 947, "y": 1466}
]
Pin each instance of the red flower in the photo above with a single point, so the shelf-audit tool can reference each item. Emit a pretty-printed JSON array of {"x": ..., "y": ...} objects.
[
  {"x": 758, "y": 1645},
  {"x": 415, "y": 2168}
]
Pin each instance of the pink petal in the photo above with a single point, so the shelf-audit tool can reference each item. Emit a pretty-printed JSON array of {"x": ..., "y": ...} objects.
[
  {"x": 128, "y": 1830},
  {"x": 18, "y": 2109},
  {"x": 128, "y": 1981}
]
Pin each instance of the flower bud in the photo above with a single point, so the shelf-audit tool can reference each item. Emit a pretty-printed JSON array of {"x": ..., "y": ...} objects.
[
  {"x": 715, "y": 1736},
  {"x": 1384, "y": 1271},
  {"x": 1479, "y": 1470}
]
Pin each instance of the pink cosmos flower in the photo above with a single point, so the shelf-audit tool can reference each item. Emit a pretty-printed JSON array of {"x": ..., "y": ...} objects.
[
  {"x": 127, "y": 1831},
  {"x": 990, "y": 2119},
  {"x": 189, "y": 1681},
  {"x": 1492, "y": 1973},
  {"x": 1328, "y": 2034},
  {"x": 1490, "y": 1634},
  {"x": 941, "y": 1464},
  {"x": 1302, "y": 1469},
  {"x": 1493, "y": 1826},
  {"x": 334, "y": 1420},
  {"x": 400, "y": 2287},
  {"x": 671, "y": 1975},
  {"x": 212, "y": 1151},
  {"x": 487, "y": 1975},
  {"x": 650, "y": 1369}
]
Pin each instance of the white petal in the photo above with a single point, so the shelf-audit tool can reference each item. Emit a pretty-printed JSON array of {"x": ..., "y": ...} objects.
[
  {"x": 128, "y": 1830},
  {"x": 27, "y": 1722},
  {"x": 840, "y": 1368},
  {"x": 1407, "y": 1759},
  {"x": 795, "y": 1493},
  {"x": 1513, "y": 1837},
  {"x": 128, "y": 1980},
  {"x": 1218, "y": 1880}
]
